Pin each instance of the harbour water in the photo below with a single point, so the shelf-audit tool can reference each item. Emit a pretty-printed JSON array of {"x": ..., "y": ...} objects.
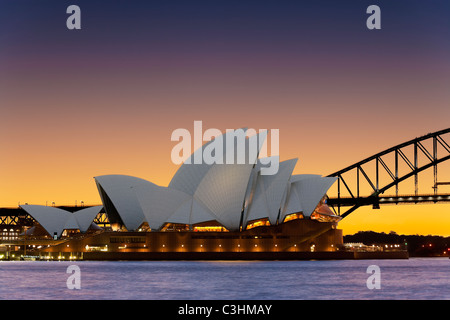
[{"x": 415, "y": 278}]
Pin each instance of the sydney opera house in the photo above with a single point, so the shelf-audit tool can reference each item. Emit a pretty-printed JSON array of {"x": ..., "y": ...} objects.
[{"x": 219, "y": 210}]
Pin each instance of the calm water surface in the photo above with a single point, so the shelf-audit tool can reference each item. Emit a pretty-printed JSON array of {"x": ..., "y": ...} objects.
[{"x": 427, "y": 278}]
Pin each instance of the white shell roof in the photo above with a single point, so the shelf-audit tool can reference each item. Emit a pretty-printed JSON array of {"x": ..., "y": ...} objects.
[
  {"x": 55, "y": 220},
  {"x": 219, "y": 189},
  {"x": 223, "y": 188},
  {"x": 119, "y": 190},
  {"x": 52, "y": 219},
  {"x": 159, "y": 203},
  {"x": 191, "y": 212},
  {"x": 258, "y": 208},
  {"x": 223, "y": 192},
  {"x": 197, "y": 193},
  {"x": 293, "y": 204},
  {"x": 189, "y": 176},
  {"x": 276, "y": 187},
  {"x": 85, "y": 217},
  {"x": 270, "y": 191},
  {"x": 310, "y": 190}
]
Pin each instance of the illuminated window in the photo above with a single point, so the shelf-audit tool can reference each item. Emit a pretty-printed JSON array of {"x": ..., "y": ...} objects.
[
  {"x": 293, "y": 216},
  {"x": 258, "y": 223},
  {"x": 210, "y": 229},
  {"x": 209, "y": 226}
]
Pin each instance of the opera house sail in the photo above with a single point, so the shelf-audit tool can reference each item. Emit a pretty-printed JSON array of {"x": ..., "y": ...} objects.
[{"x": 226, "y": 207}]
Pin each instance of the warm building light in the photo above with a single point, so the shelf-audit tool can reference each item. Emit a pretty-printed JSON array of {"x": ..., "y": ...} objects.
[
  {"x": 210, "y": 229},
  {"x": 293, "y": 216},
  {"x": 258, "y": 223}
]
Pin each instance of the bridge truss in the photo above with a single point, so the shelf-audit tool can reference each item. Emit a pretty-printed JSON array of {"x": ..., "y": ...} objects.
[{"x": 407, "y": 160}]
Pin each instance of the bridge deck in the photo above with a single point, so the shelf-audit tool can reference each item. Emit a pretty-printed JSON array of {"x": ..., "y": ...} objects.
[{"x": 389, "y": 199}]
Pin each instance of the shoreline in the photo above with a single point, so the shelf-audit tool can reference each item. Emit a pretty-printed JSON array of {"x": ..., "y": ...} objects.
[{"x": 212, "y": 256}]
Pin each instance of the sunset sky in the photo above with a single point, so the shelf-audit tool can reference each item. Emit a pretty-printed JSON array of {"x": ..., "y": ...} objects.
[{"x": 105, "y": 99}]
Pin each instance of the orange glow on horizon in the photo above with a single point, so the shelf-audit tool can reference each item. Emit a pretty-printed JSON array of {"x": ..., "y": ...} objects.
[{"x": 65, "y": 176}]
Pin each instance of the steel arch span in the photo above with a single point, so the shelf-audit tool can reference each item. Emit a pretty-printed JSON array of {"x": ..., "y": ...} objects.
[{"x": 431, "y": 148}]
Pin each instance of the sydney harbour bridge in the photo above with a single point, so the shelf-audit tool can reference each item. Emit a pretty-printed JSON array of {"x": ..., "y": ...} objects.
[{"x": 376, "y": 180}]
